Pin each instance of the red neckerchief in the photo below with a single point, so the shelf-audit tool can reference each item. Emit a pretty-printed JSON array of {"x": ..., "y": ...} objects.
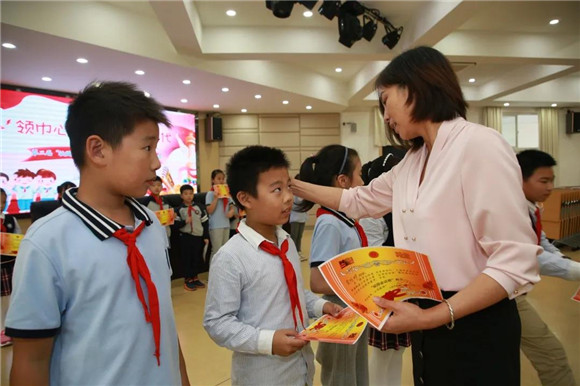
[
  {"x": 138, "y": 267},
  {"x": 359, "y": 230},
  {"x": 538, "y": 225},
  {"x": 2, "y": 226},
  {"x": 189, "y": 210},
  {"x": 158, "y": 200},
  {"x": 289, "y": 275}
]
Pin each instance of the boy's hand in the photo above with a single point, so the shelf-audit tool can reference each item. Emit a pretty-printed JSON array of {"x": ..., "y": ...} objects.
[
  {"x": 206, "y": 241},
  {"x": 285, "y": 343},
  {"x": 331, "y": 308}
]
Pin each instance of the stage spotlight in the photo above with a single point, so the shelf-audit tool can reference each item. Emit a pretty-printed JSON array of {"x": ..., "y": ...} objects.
[
  {"x": 369, "y": 28},
  {"x": 309, "y": 4},
  {"x": 353, "y": 7},
  {"x": 349, "y": 29},
  {"x": 329, "y": 9},
  {"x": 392, "y": 37},
  {"x": 281, "y": 9}
]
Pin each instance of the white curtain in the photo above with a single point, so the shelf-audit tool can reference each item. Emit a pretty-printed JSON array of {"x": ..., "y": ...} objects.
[
  {"x": 548, "y": 127},
  {"x": 379, "y": 134},
  {"x": 492, "y": 117}
]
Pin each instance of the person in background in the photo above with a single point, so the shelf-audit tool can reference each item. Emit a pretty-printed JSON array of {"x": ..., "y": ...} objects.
[
  {"x": 193, "y": 236},
  {"x": 63, "y": 188},
  {"x": 220, "y": 211},
  {"x": 386, "y": 356},
  {"x": 539, "y": 344},
  {"x": 297, "y": 222},
  {"x": 335, "y": 233},
  {"x": 457, "y": 198},
  {"x": 8, "y": 224},
  {"x": 256, "y": 303},
  {"x": 91, "y": 303},
  {"x": 156, "y": 202}
]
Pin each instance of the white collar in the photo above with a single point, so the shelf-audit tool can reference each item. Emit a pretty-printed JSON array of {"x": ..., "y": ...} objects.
[
  {"x": 255, "y": 239},
  {"x": 532, "y": 206}
]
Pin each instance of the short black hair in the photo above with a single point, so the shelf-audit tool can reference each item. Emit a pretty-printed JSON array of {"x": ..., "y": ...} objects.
[
  {"x": 110, "y": 110},
  {"x": 65, "y": 186},
  {"x": 322, "y": 168},
  {"x": 215, "y": 172},
  {"x": 378, "y": 166},
  {"x": 185, "y": 187},
  {"x": 245, "y": 167},
  {"x": 530, "y": 160},
  {"x": 432, "y": 85}
]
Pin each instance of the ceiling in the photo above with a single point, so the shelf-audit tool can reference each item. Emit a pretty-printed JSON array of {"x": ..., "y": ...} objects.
[{"x": 510, "y": 48}]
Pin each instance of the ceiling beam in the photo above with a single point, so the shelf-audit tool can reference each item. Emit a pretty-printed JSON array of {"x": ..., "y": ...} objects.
[{"x": 182, "y": 24}]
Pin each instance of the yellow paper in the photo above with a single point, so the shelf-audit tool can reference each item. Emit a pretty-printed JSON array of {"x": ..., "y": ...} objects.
[
  {"x": 9, "y": 243},
  {"x": 345, "y": 328},
  {"x": 392, "y": 273},
  {"x": 222, "y": 191},
  {"x": 166, "y": 217}
]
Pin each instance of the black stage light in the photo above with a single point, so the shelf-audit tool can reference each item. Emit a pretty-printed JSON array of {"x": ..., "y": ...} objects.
[
  {"x": 329, "y": 9},
  {"x": 349, "y": 29},
  {"x": 392, "y": 37},
  {"x": 353, "y": 7},
  {"x": 309, "y": 4},
  {"x": 369, "y": 28},
  {"x": 281, "y": 9}
]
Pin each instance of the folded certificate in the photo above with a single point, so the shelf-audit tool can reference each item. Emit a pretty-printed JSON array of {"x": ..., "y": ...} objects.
[
  {"x": 9, "y": 243},
  {"x": 166, "y": 217},
  {"x": 221, "y": 191},
  {"x": 359, "y": 275},
  {"x": 345, "y": 328}
]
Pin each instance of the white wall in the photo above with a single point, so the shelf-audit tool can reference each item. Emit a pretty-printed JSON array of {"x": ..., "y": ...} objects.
[
  {"x": 362, "y": 140},
  {"x": 569, "y": 158}
]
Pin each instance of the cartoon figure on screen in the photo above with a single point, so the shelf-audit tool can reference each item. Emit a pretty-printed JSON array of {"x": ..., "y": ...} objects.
[
  {"x": 47, "y": 189},
  {"x": 181, "y": 162},
  {"x": 23, "y": 190}
]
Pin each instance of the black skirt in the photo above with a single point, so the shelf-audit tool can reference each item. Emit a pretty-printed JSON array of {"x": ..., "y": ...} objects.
[{"x": 482, "y": 349}]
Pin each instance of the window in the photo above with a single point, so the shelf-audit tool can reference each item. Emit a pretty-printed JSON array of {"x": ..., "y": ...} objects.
[{"x": 521, "y": 130}]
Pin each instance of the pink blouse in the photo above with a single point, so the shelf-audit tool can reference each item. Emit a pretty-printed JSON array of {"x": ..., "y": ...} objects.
[{"x": 469, "y": 215}]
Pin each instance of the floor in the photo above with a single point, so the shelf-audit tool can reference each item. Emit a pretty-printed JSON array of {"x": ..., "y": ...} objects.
[{"x": 209, "y": 364}]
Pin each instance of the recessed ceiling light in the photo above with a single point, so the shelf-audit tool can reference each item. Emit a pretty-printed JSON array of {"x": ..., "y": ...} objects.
[
  {"x": 140, "y": 72},
  {"x": 225, "y": 89},
  {"x": 471, "y": 80},
  {"x": 216, "y": 106},
  {"x": 186, "y": 81},
  {"x": 308, "y": 107},
  {"x": 338, "y": 69},
  {"x": 285, "y": 102},
  {"x": 146, "y": 94},
  {"x": 244, "y": 110},
  {"x": 46, "y": 79},
  {"x": 8, "y": 45},
  {"x": 82, "y": 60},
  {"x": 554, "y": 21},
  {"x": 554, "y": 105},
  {"x": 258, "y": 96},
  {"x": 506, "y": 104},
  {"x": 184, "y": 100},
  {"x": 307, "y": 13},
  {"x": 231, "y": 12}
]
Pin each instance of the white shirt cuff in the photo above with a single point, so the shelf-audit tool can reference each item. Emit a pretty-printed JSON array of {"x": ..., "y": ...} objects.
[
  {"x": 265, "y": 340},
  {"x": 573, "y": 271},
  {"x": 318, "y": 306}
]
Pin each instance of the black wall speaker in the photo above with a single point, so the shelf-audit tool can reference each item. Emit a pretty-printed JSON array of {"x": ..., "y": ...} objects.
[{"x": 213, "y": 129}]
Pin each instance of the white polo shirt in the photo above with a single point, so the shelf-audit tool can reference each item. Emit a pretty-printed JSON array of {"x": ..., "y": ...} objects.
[{"x": 72, "y": 282}]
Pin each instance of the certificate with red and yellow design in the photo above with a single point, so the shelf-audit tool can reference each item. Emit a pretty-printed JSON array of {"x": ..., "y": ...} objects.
[
  {"x": 345, "y": 328},
  {"x": 166, "y": 217},
  {"x": 391, "y": 273},
  {"x": 9, "y": 243},
  {"x": 221, "y": 191}
]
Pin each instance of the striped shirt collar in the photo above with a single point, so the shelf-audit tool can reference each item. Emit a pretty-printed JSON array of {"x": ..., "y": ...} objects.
[
  {"x": 102, "y": 226},
  {"x": 341, "y": 216}
]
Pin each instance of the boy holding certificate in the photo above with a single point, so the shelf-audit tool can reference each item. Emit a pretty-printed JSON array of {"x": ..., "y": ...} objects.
[{"x": 256, "y": 302}]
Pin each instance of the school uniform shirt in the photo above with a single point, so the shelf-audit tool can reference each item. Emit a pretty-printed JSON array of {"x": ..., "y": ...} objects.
[
  {"x": 469, "y": 215},
  {"x": 551, "y": 260},
  {"x": 153, "y": 206},
  {"x": 247, "y": 301},
  {"x": 295, "y": 215},
  {"x": 218, "y": 218},
  {"x": 198, "y": 225},
  {"x": 376, "y": 230},
  {"x": 72, "y": 283}
]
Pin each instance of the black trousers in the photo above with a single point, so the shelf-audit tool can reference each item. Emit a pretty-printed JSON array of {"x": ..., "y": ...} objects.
[
  {"x": 483, "y": 348},
  {"x": 191, "y": 254}
]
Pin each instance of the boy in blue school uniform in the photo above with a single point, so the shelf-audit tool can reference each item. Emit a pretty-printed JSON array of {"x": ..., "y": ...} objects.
[
  {"x": 256, "y": 302},
  {"x": 91, "y": 302}
]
